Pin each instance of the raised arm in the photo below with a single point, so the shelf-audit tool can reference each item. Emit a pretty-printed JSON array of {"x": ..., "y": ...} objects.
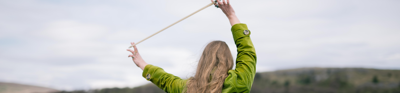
[
  {"x": 228, "y": 11},
  {"x": 241, "y": 79},
  {"x": 241, "y": 35},
  {"x": 166, "y": 81}
]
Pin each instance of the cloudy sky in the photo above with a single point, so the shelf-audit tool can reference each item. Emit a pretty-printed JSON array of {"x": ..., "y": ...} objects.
[{"x": 81, "y": 44}]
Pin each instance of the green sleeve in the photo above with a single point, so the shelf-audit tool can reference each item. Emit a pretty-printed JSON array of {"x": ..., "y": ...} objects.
[
  {"x": 166, "y": 81},
  {"x": 241, "y": 79}
]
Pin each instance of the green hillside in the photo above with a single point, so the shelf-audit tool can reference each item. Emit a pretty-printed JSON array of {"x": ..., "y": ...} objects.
[
  {"x": 304, "y": 80},
  {"x": 20, "y": 88},
  {"x": 328, "y": 80}
]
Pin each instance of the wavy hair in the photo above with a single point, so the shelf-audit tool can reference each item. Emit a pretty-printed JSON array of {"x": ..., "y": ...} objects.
[{"x": 212, "y": 69}]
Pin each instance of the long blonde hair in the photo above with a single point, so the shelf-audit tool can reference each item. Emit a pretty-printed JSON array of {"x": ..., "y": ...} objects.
[{"x": 212, "y": 69}]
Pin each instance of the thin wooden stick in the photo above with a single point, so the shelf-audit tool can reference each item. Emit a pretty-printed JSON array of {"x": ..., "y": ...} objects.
[{"x": 172, "y": 24}]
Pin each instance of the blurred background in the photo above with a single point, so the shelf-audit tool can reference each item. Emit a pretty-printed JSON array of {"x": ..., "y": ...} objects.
[{"x": 324, "y": 46}]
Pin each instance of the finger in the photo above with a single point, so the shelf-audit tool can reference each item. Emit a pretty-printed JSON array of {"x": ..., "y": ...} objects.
[
  {"x": 224, "y": 2},
  {"x": 130, "y": 56},
  {"x": 130, "y": 50},
  {"x": 219, "y": 3},
  {"x": 133, "y": 43},
  {"x": 134, "y": 47},
  {"x": 227, "y": 2}
]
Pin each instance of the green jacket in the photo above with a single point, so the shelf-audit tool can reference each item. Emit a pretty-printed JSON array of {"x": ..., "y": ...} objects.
[{"x": 239, "y": 80}]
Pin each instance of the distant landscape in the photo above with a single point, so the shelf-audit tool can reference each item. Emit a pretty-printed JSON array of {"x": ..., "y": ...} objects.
[
  {"x": 21, "y": 88},
  {"x": 302, "y": 80}
]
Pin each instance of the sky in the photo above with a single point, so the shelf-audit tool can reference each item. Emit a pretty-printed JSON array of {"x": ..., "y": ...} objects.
[{"x": 81, "y": 44}]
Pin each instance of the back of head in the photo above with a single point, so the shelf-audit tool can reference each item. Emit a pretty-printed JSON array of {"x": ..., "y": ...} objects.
[{"x": 212, "y": 69}]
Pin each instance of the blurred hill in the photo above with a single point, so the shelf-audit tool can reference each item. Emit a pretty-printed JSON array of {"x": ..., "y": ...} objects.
[
  {"x": 302, "y": 80},
  {"x": 328, "y": 80},
  {"x": 20, "y": 88}
]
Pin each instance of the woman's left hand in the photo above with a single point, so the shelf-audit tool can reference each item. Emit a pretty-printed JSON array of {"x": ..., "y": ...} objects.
[{"x": 137, "y": 59}]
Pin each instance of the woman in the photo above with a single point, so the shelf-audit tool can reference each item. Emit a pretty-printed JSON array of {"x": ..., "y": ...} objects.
[{"x": 214, "y": 72}]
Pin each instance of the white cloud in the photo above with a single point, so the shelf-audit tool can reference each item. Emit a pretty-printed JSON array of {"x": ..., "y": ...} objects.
[
  {"x": 75, "y": 45},
  {"x": 73, "y": 31}
]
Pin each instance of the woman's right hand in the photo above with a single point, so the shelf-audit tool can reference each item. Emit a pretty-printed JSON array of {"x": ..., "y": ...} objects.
[
  {"x": 228, "y": 11},
  {"x": 225, "y": 7}
]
